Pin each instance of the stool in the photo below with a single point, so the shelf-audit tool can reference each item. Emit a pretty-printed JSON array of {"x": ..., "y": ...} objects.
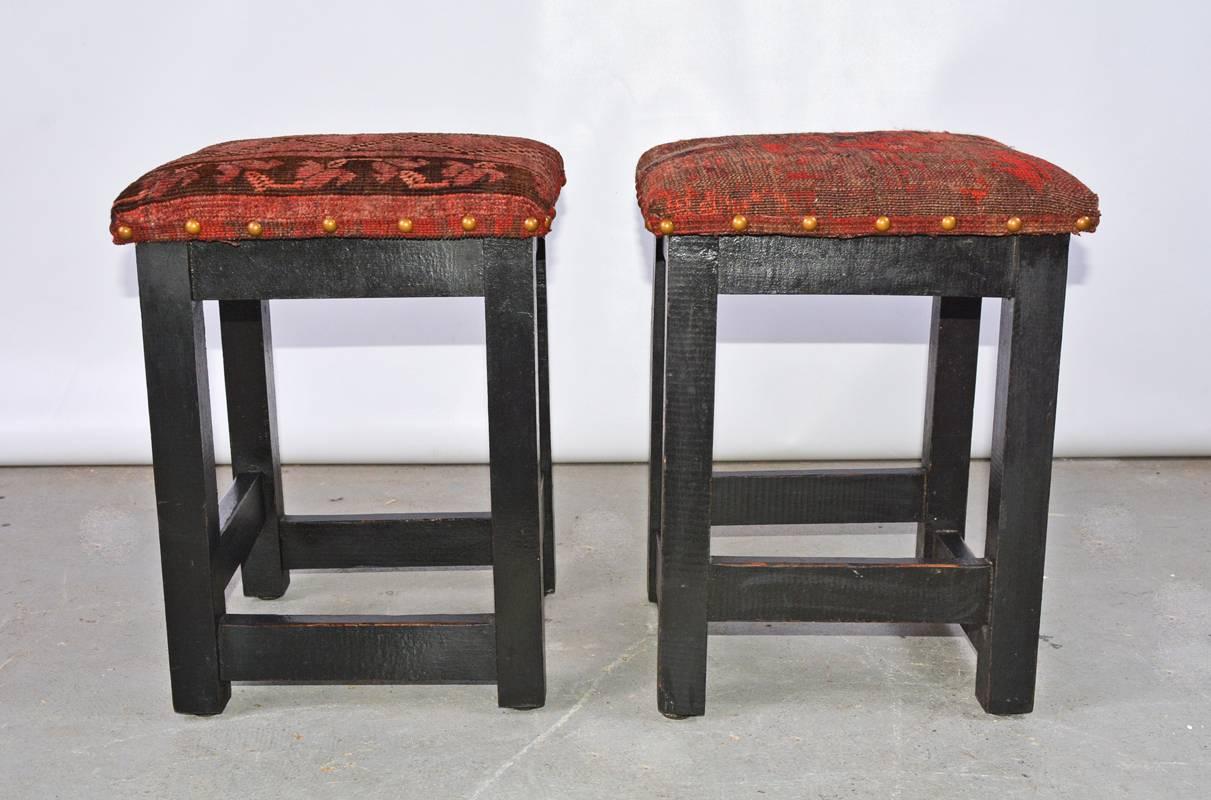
[
  {"x": 954, "y": 217},
  {"x": 393, "y": 215}
]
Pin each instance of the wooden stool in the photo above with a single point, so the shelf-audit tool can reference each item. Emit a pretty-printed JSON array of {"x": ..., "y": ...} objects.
[
  {"x": 957, "y": 218},
  {"x": 403, "y": 215}
]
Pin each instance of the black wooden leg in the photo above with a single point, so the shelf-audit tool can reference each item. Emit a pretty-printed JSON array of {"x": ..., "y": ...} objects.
[
  {"x": 1023, "y": 430},
  {"x": 954, "y": 340},
  {"x": 178, "y": 398},
  {"x": 656, "y": 440},
  {"x": 252, "y": 421},
  {"x": 691, "y": 304},
  {"x": 510, "y": 300},
  {"x": 544, "y": 425}
]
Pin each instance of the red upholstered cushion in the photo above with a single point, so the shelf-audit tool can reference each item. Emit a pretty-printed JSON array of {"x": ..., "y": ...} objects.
[
  {"x": 847, "y": 181},
  {"x": 423, "y": 185}
]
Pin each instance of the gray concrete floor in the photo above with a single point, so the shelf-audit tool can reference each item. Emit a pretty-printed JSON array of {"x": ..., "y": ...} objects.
[{"x": 828, "y": 711}]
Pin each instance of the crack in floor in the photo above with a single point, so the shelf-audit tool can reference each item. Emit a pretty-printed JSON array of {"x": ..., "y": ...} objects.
[{"x": 626, "y": 656}]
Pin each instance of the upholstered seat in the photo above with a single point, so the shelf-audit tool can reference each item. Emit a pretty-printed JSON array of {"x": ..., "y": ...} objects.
[
  {"x": 420, "y": 185},
  {"x": 857, "y": 184}
]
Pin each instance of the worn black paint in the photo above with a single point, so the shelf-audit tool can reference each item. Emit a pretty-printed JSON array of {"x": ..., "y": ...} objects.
[
  {"x": 995, "y": 598},
  {"x": 691, "y": 311},
  {"x": 813, "y": 496},
  {"x": 847, "y": 590},
  {"x": 961, "y": 266},
  {"x": 544, "y": 422},
  {"x": 516, "y": 477},
  {"x": 329, "y": 541},
  {"x": 182, "y": 446},
  {"x": 358, "y": 649},
  {"x": 334, "y": 267},
  {"x": 252, "y": 422},
  {"x": 1023, "y": 431},
  {"x": 656, "y": 429},
  {"x": 203, "y": 539},
  {"x": 954, "y": 343},
  {"x": 242, "y": 518}
]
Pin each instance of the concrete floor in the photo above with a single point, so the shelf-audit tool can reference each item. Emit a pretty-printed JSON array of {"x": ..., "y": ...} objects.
[{"x": 1123, "y": 705}]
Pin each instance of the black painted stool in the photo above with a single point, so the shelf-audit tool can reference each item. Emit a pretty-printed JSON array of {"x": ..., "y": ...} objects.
[
  {"x": 957, "y": 218},
  {"x": 403, "y": 215}
]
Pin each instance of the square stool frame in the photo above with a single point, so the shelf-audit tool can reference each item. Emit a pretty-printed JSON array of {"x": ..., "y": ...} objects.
[
  {"x": 204, "y": 539},
  {"x": 995, "y": 598}
]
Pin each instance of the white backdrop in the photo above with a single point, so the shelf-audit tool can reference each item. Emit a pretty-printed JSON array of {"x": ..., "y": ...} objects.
[{"x": 97, "y": 93}]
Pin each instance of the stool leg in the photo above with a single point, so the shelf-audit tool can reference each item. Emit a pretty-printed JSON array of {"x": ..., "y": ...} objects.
[
  {"x": 954, "y": 343},
  {"x": 544, "y": 425},
  {"x": 252, "y": 421},
  {"x": 178, "y": 399},
  {"x": 510, "y": 307},
  {"x": 691, "y": 303},
  {"x": 1023, "y": 431},
  {"x": 656, "y": 440}
]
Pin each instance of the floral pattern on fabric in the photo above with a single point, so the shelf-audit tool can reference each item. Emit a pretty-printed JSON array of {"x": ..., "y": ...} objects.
[{"x": 365, "y": 182}]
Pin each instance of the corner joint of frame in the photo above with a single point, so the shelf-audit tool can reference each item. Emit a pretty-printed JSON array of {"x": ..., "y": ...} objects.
[{"x": 693, "y": 249}]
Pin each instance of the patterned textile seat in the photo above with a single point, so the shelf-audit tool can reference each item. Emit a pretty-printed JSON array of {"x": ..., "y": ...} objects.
[
  {"x": 252, "y": 222},
  {"x": 415, "y": 185},
  {"x": 857, "y": 184}
]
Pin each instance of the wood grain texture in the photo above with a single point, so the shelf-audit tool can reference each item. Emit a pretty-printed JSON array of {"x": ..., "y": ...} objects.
[
  {"x": 691, "y": 310},
  {"x": 182, "y": 446},
  {"x": 656, "y": 427},
  {"x": 323, "y": 268},
  {"x": 812, "y": 496},
  {"x": 1028, "y": 365},
  {"x": 954, "y": 343},
  {"x": 252, "y": 423},
  {"x": 961, "y": 266},
  {"x": 329, "y": 541},
  {"x": 516, "y": 479},
  {"x": 365, "y": 649},
  {"x": 847, "y": 590}
]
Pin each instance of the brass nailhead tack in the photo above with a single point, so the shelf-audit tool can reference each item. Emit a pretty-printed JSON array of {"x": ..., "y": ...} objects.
[
  {"x": 193, "y": 227},
  {"x": 882, "y": 224},
  {"x": 124, "y": 233},
  {"x": 329, "y": 225},
  {"x": 810, "y": 224},
  {"x": 1084, "y": 223},
  {"x": 531, "y": 224},
  {"x": 468, "y": 223},
  {"x": 405, "y": 225},
  {"x": 949, "y": 223},
  {"x": 1013, "y": 224},
  {"x": 255, "y": 228},
  {"x": 739, "y": 223},
  {"x": 666, "y": 226}
]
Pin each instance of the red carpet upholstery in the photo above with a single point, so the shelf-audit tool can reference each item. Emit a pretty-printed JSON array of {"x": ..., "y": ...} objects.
[
  {"x": 857, "y": 184},
  {"x": 421, "y": 185}
]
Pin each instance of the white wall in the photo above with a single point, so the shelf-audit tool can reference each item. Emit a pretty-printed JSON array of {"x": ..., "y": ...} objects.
[{"x": 94, "y": 94}]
